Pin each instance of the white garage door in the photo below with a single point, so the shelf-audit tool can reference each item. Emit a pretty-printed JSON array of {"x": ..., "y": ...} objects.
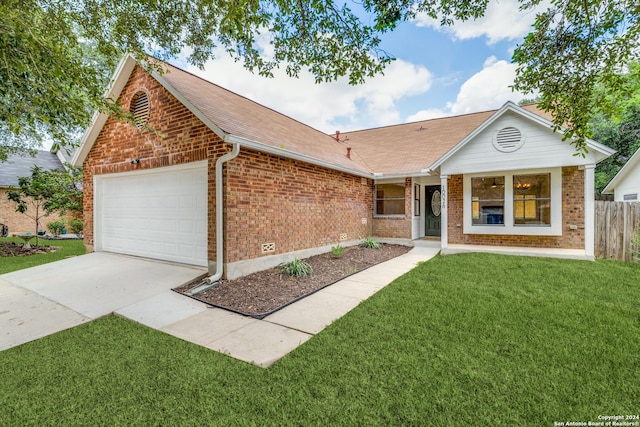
[{"x": 159, "y": 213}]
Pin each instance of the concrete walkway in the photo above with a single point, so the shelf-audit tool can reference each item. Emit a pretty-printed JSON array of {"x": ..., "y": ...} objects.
[
  {"x": 43, "y": 300},
  {"x": 265, "y": 341}
]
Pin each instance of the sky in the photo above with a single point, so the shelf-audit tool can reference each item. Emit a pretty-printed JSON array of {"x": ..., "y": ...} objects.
[{"x": 438, "y": 72}]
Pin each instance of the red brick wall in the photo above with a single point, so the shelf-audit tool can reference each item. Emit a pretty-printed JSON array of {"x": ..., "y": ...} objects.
[
  {"x": 293, "y": 204},
  {"x": 572, "y": 213},
  {"x": 181, "y": 138},
  {"x": 268, "y": 199},
  {"x": 394, "y": 225},
  {"x": 20, "y": 222}
]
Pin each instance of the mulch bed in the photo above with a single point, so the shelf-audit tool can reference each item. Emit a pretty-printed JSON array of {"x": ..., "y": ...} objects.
[
  {"x": 263, "y": 292},
  {"x": 9, "y": 249}
]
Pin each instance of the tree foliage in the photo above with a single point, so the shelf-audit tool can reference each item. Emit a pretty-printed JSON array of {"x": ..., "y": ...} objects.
[
  {"x": 575, "y": 48},
  {"x": 57, "y": 55},
  {"x": 621, "y": 134},
  {"x": 46, "y": 191}
]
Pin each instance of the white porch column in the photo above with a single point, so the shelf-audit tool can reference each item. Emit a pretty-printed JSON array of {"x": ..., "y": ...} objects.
[
  {"x": 589, "y": 210},
  {"x": 444, "y": 216}
]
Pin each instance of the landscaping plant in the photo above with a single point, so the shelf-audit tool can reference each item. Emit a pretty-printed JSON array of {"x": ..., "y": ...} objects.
[
  {"x": 56, "y": 227},
  {"x": 337, "y": 251},
  {"x": 76, "y": 226},
  {"x": 297, "y": 268},
  {"x": 635, "y": 243},
  {"x": 370, "y": 243}
]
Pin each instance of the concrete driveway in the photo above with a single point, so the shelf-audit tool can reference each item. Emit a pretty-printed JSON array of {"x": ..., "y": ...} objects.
[{"x": 42, "y": 300}]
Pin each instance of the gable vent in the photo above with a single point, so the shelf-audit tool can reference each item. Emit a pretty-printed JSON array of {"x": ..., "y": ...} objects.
[
  {"x": 508, "y": 139},
  {"x": 140, "y": 109}
]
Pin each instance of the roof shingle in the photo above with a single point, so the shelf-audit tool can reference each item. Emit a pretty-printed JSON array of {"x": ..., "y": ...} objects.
[{"x": 18, "y": 165}]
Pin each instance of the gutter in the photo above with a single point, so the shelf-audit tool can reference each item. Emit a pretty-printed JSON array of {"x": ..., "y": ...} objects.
[{"x": 211, "y": 281}]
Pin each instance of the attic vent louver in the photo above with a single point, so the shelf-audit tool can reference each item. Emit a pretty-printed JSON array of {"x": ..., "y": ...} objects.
[
  {"x": 508, "y": 139},
  {"x": 140, "y": 109}
]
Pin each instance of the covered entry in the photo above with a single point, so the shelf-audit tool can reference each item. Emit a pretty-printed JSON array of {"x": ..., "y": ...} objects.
[{"x": 427, "y": 208}]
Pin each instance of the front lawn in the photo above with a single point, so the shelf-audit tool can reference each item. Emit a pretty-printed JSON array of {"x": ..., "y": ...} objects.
[
  {"x": 462, "y": 340},
  {"x": 68, "y": 248}
]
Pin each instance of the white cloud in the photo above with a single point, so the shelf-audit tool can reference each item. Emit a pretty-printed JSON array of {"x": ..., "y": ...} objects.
[
  {"x": 429, "y": 113},
  {"x": 328, "y": 106},
  {"x": 502, "y": 21},
  {"x": 488, "y": 89}
]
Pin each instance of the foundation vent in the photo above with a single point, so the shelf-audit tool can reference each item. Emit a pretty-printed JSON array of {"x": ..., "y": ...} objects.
[
  {"x": 508, "y": 139},
  {"x": 268, "y": 247},
  {"x": 343, "y": 236}
]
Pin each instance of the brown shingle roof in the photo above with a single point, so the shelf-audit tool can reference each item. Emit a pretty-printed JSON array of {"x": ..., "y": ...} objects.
[
  {"x": 241, "y": 117},
  {"x": 411, "y": 147}
]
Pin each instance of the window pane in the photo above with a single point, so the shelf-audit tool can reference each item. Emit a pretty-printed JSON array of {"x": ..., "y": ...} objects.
[
  {"x": 390, "y": 199},
  {"x": 487, "y": 200},
  {"x": 532, "y": 199}
]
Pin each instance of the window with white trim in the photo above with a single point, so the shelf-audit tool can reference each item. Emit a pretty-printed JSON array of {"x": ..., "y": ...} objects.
[
  {"x": 532, "y": 200},
  {"x": 487, "y": 200},
  {"x": 389, "y": 199},
  {"x": 527, "y": 202}
]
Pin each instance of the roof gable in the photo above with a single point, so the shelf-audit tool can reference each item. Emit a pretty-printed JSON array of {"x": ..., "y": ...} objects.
[
  {"x": 510, "y": 113},
  {"x": 235, "y": 118},
  {"x": 632, "y": 164}
]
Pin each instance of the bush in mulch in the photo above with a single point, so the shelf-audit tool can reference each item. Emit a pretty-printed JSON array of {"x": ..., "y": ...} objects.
[{"x": 10, "y": 249}]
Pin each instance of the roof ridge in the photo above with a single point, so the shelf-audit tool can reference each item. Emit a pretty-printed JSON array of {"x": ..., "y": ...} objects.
[{"x": 421, "y": 121}]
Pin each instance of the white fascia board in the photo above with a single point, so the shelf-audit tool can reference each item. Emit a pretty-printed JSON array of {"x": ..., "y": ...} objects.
[
  {"x": 378, "y": 175},
  {"x": 633, "y": 160},
  {"x": 118, "y": 82},
  {"x": 244, "y": 142}
]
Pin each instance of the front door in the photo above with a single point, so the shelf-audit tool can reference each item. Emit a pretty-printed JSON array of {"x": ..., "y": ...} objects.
[{"x": 433, "y": 209}]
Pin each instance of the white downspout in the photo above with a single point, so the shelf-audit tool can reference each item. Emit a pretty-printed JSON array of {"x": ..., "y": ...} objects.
[
  {"x": 219, "y": 211},
  {"x": 211, "y": 280}
]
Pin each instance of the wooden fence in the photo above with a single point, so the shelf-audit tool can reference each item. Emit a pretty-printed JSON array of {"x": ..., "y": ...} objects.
[{"x": 616, "y": 223}]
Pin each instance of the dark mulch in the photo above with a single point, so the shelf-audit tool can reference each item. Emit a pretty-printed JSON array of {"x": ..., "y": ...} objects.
[
  {"x": 8, "y": 249},
  {"x": 264, "y": 291}
]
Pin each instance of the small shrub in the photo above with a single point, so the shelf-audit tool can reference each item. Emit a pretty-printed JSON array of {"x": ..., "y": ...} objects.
[
  {"x": 76, "y": 226},
  {"x": 635, "y": 243},
  {"x": 56, "y": 227},
  {"x": 337, "y": 251},
  {"x": 297, "y": 267},
  {"x": 370, "y": 243}
]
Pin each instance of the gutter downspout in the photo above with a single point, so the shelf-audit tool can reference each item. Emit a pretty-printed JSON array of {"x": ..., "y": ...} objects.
[{"x": 210, "y": 281}]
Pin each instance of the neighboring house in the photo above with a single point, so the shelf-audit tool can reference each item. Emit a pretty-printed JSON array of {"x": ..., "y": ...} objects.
[
  {"x": 625, "y": 186},
  {"x": 19, "y": 165},
  {"x": 492, "y": 178}
]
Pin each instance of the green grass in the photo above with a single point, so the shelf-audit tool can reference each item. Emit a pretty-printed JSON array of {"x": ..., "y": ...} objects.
[
  {"x": 462, "y": 340},
  {"x": 68, "y": 248}
]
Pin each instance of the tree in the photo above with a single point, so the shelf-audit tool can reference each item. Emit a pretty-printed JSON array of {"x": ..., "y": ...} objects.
[
  {"x": 623, "y": 135},
  {"x": 47, "y": 191},
  {"x": 576, "y": 49},
  {"x": 58, "y": 55}
]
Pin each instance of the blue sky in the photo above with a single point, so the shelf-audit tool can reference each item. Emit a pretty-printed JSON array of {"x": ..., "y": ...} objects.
[{"x": 438, "y": 72}]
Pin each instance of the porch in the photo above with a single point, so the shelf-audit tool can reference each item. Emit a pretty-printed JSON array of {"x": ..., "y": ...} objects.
[{"x": 517, "y": 250}]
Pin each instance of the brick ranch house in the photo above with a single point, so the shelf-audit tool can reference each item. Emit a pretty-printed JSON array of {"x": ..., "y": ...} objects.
[{"x": 222, "y": 171}]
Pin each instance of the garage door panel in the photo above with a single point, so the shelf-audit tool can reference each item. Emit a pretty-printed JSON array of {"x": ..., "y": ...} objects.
[{"x": 159, "y": 214}]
